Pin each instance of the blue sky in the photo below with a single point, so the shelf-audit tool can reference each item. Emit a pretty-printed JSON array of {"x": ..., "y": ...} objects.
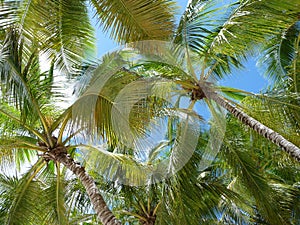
[{"x": 248, "y": 79}]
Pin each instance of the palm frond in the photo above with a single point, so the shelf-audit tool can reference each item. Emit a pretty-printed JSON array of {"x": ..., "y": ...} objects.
[
  {"x": 234, "y": 212},
  {"x": 259, "y": 192},
  {"x": 77, "y": 200},
  {"x": 71, "y": 34},
  {"x": 135, "y": 20},
  {"x": 274, "y": 166},
  {"x": 180, "y": 199},
  {"x": 53, "y": 204},
  {"x": 64, "y": 200},
  {"x": 280, "y": 111},
  {"x": 234, "y": 93},
  {"x": 147, "y": 159},
  {"x": 92, "y": 111},
  {"x": 192, "y": 196},
  {"x": 115, "y": 166},
  {"x": 119, "y": 94},
  {"x": 26, "y": 88},
  {"x": 288, "y": 196},
  {"x": 12, "y": 125},
  {"x": 252, "y": 22},
  {"x": 223, "y": 38},
  {"x": 20, "y": 83},
  {"x": 17, "y": 150},
  {"x": 8, "y": 12},
  {"x": 60, "y": 29},
  {"x": 196, "y": 24},
  {"x": 279, "y": 55},
  {"x": 200, "y": 22},
  {"x": 88, "y": 219},
  {"x": 18, "y": 205},
  {"x": 43, "y": 197}
]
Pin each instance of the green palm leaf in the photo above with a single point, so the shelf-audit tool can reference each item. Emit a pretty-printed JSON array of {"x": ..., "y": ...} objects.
[
  {"x": 224, "y": 37},
  {"x": 110, "y": 91},
  {"x": 8, "y": 11},
  {"x": 280, "y": 54},
  {"x": 136, "y": 20},
  {"x": 280, "y": 111},
  {"x": 259, "y": 191},
  {"x": 25, "y": 88},
  {"x": 92, "y": 111},
  {"x": 197, "y": 24},
  {"x": 17, "y": 150},
  {"x": 14, "y": 79},
  {"x": 54, "y": 199},
  {"x": 251, "y": 22},
  {"x": 20, "y": 198},
  {"x": 69, "y": 34},
  {"x": 60, "y": 29},
  {"x": 115, "y": 166}
]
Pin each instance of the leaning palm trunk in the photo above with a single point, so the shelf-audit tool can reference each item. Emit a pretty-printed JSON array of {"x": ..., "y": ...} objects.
[
  {"x": 263, "y": 130},
  {"x": 103, "y": 212}
]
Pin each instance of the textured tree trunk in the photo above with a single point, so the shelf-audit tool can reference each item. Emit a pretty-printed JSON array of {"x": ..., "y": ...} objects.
[
  {"x": 263, "y": 130},
  {"x": 103, "y": 212}
]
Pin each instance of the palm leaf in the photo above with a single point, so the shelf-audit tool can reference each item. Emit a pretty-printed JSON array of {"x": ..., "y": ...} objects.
[
  {"x": 280, "y": 111},
  {"x": 119, "y": 94},
  {"x": 224, "y": 37},
  {"x": 66, "y": 36},
  {"x": 13, "y": 126},
  {"x": 17, "y": 150},
  {"x": 244, "y": 168},
  {"x": 233, "y": 93},
  {"x": 77, "y": 201},
  {"x": 71, "y": 34},
  {"x": 136, "y": 20},
  {"x": 8, "y": 13},
  {"x": 115, "y": 166},
  {"x": 19, "y": 83},
  {"x": 89, "y": 219},
  {"x": 92, "y": 111},
  {"x": 21, "y": 198},
  {"x": 146, "y": 160},
  {"x": 251, "y": 22},
  {"x": 196, "y": 24},
  {"x": 25, "y": 88},
  {"x": 201, "y": 21},
  {"x": 280, "y": 54},
  {"x": 42, "y": 197},
  {"x": 64, "y": 200},
  {"x": 54, "y": 207},
  {"x": 188, "y": 198}
]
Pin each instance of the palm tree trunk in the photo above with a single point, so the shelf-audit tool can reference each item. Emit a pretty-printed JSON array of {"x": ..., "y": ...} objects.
[
  {"x": 103, "y": 212},
  {"x": 263, "y": 130}
]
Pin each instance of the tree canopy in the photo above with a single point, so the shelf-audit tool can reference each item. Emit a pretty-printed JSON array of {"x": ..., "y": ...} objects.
[{"x": 135, "y": 139}]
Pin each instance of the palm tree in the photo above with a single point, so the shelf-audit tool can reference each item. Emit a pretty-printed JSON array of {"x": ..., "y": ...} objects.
[
  {"x": 30, "y": 122},
  {"x": 256, "y": 170},
  {"x": 41, "y": 197},
  {"x": 218, "y": 48},
  {"x": 61, "y": 31},
  {"x": 250, "y": 182},
  {"x": 281, "y": 60},
  {"x": 215, "y": 49}
]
